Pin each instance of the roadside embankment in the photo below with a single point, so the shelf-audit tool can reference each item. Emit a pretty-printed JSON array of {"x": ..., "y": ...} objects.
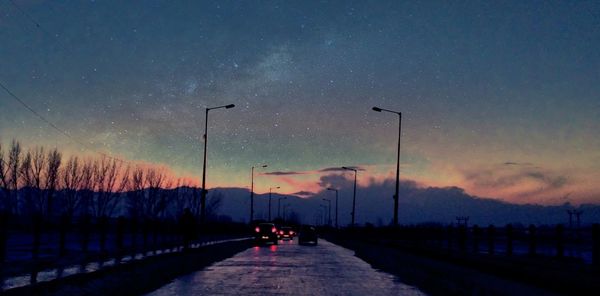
[
  {"x": 443, "y": 274},
  {"x": 136, "y": 277}
]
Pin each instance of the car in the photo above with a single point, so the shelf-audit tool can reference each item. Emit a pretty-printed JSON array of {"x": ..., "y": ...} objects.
[
  {"x": 307, "y": 235},
  {"x": 286, "y": 233},
  {"x": 265, "y": 232}
]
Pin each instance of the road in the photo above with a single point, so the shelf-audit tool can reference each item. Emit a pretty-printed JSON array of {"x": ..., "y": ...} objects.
[{"x": 289, "y": 269}]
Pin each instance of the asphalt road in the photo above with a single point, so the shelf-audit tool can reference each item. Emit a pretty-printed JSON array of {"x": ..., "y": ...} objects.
[{"x": 289, "y": 269}]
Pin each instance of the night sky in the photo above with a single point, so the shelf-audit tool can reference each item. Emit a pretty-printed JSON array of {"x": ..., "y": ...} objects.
[{"x": 501, "y": 99}]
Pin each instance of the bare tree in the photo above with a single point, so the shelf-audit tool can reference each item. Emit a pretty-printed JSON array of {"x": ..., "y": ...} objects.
[
  {"x": 13, "y": 163},
  {"x": 185, "y": 196},
  {"x": 135, "y": 194},
  {"x": 71, "y": 182},
  {"x": 166, "y": 193},
  {"x": 38, "y": 162},
  {"x": 52, "y": 170},
  {"x": 125, "y": 179},
  {"x": 179, "y": 198},
  {"x": 86, "y": 186},
  {"x": 154, "y": 203},
  {"x": 27, "y": 183},
  {"x": 9, "y": 176},
  {"x": 4, "y": 181},
  {"x": 107, "y": 174},
  {"x": 213, "y": 204}
]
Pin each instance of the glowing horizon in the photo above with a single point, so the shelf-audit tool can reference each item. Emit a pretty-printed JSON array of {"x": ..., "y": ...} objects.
[{"x": 503, "y": 114}]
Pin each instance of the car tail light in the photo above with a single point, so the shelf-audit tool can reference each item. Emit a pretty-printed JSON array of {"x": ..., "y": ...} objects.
[
  {"x": 257, "y": 229},
  {"x": 281, "y": 232},
  {"x": 291, "y": 232},
  {"x": 274, "y": 229}
]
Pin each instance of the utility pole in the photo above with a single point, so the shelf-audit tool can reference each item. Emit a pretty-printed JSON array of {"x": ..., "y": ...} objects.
[
  {"x": 336, "y": 206},
  {"x": 354, "y": 194},
  {"x": 279, "y": 206},
  {"x": 252, "y": 193},
  {"x": 462, "y": 220},
  {"x": 204, "y": 191},
  {"x": 270, "y": 192},
  {"x": 377, "y": 109}
]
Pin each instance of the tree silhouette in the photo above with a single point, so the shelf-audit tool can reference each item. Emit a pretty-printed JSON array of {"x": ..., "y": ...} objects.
[
  {"x": 9, "y": 176},
  {"x": 107, "y": 174},
  {"x": 71, "y": 182},
  {"x": 52, "y": 170}
]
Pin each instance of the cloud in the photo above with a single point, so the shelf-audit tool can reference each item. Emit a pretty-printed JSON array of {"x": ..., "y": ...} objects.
[
  {"x": 283, "y": 173},
  {"x": 503, "y": 179},
  {"x": 552, "y": 182},
  {"x": 418, "y": 204},
  {"x": 304, "y": 193},
  {"x": 334, "y": 181},
  {"x": 512, "y": 163},
  {"x": 517, "y": 182},
  {"x": 339, "y": 169}
]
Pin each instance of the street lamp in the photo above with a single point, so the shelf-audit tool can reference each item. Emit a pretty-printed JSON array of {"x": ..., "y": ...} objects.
[
  {"x": 285, "y": 211},
  {"x": 252, "y": 193},
  {"x": 397, "y": 160},
  {"x": 329, "y": 212},
  {"x": 279, "y": 206},
  {"x": 270, "y": 191},
  {"x": 324, "y": 213},
  {"x": 336, "y": 205},
  {"x": 204, "y": 191},
  {"x": 354, "y": 195}
]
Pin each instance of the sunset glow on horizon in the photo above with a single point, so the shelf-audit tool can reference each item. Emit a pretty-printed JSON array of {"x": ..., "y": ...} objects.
[{"x": 503, "y": 112}]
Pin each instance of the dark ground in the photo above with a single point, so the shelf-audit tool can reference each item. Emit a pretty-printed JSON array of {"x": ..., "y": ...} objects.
[
  {"x": 137, "y": 277},
  {"x": 440, "y": 274}
]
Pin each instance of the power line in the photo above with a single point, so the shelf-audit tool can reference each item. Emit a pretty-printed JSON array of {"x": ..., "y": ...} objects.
[
  {"x": 54, "y": 126},
  {"x": 41, "y": 28},
  {"x": 27, "y": 15},
  {"x": 36, "y": 23},
  {"x": 63, "y": 47}
]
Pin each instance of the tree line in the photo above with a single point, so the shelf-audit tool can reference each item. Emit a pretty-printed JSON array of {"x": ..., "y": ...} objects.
[{"x": 39, "y": 181}]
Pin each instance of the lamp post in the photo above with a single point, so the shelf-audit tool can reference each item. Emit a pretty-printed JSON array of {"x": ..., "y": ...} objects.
[
  {"x": 397, "y": 160},
  {"x": 252, "y": 193},
  {"x": 354, "y": 195},
  {"x": 285, "y": 211},
  {"x": 204, "y": 191},
  {"x": 324, "y": 208},
  {"x": 329, "y": 211},
  {"x": 336, "y": 205},
  {"x": 279, "y": 206},
  {"x": 270, "y": 191}
]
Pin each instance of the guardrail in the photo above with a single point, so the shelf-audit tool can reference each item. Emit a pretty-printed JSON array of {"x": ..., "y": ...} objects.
[
  {"x": 63, "y": 272},
  {"x": 46, "y": 250},
  {"x": 579, "y": 244}
]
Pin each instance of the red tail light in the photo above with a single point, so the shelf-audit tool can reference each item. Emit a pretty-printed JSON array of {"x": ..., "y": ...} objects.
[
  {"x": 291, "y": 232},
  {"x": 274, "y": 229},
  {"x": 257, "y": 229},
  {"x": 281, "y": 232}
]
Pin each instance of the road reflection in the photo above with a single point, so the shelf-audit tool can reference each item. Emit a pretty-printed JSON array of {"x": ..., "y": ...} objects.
[{"x": 290, "y": 269}]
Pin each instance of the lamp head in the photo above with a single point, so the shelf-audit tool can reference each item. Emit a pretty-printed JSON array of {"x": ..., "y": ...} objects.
[
  {"x": 377, "y": 109},
  {"x": 229, "y": 106}
]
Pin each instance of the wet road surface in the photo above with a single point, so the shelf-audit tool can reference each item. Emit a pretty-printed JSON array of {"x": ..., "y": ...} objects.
[{"x": 289, "y": 269}]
